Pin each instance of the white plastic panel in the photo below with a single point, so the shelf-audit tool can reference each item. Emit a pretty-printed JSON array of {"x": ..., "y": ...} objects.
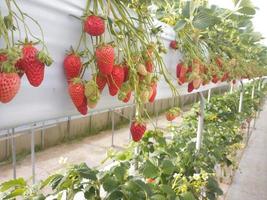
[{"x": 51, "y": 99}]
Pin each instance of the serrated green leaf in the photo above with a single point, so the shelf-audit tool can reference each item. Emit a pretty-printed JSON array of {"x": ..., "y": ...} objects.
[
  {"x": 149, "y": 169},
  {"x": 188, "y": 196},
  {"x": 20, "y": 182},
  {"x": 180, "y": 25}
]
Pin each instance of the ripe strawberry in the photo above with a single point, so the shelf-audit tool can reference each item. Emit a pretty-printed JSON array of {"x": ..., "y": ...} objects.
[
  {"x": 83, "y": 109},
  {"x": 94, "y": 25},
  {"x": 234, "y": 81},
  {"x": 72, "y": 66},
  {"x": 19, "y": 67},
  {"x": 170, "y": 116},
  {"x": 35, "y": 73},
  {"x": 76, "y": 92},
  {"x": 215, "y": 79},
  {"x": 9, "y": 86},
  {"x": 149, "y": 66},
  {"x": 181, "y": 71},
  {"x": 141, "y": 69},
  {"x": 126, "y": 73},
  {"x": 225, "y": 77},
  {"x": 153, "y": 93},
  {"x": 128, "y": 97},
  {"x": 115, "y": 80},
  {"x": 173, "y": 44},
  {"x": 150, "y": 180},
  {"x": 3, "y": 57},
  {"x": 190, "y": 87},
  {"x": 101, "y": 81},
  {"x": 105, "y": 59},
  {"x": 137, "y": 130},
  {"x": 219, "y": 62}
]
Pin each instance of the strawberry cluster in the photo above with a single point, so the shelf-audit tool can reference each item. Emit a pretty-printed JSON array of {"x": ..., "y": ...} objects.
[
  {"x": 196, "y": 73},
  {"x": 172, "y": 113},
  {"x": 17, "y": 61}
]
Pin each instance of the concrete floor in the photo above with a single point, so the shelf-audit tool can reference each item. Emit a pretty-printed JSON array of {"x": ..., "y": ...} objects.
[
  {"x": 250, "y": 180},
  {"x": 91, "y": 150}
]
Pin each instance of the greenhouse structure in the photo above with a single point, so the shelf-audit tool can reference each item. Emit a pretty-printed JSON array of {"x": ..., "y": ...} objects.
[{"x": 133, "y": 100}]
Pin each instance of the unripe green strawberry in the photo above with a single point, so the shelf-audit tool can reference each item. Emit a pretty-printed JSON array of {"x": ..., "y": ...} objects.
[
  {"x": 94, "y": 25},
  {"x": 124, "y": 92},
  {"x": 144, "y": 95},
  {"x": 92, "y": 93},
  {"x": 141, "y": 69},
  {"x": 105, "y": 56}
]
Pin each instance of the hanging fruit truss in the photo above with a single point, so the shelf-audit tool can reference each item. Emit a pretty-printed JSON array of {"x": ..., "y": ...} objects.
[{"x": 19, "y": 53}]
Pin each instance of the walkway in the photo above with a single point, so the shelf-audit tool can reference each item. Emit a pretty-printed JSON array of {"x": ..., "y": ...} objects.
[
  {"x": 91, "y": 150},
  {"x": 250, "y": 181}
]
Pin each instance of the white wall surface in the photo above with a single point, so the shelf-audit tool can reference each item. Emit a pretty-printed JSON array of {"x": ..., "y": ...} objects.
[{"x": 51, "y": 99}]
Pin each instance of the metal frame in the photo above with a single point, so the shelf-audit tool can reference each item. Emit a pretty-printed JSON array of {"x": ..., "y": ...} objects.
[{"x": 200, "y": 121}]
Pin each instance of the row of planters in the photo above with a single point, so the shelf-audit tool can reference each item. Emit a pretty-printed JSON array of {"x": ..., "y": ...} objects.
[{"x": 157, "y": 168}]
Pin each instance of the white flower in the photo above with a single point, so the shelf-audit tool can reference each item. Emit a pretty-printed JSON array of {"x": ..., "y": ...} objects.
[{"x": 63, "y": 160}]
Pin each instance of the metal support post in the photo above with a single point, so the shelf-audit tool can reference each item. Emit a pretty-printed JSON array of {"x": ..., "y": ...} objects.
[
  {"x": 68, "y": 126},
  {"x": 231, "y": 88},
  {"x": 130, "y": 119},
  {"x": 241, "y": 98},
  {"x": 253, "y": 92},
  {"x": 13, "y": 147},
  {"x": 209, "y": 95},
  {"x": 200, "y": 121},
  {"x": 112, "y": 127},
  {"x": 42, "y": 136},
  {"x": 33, "y": 155}
]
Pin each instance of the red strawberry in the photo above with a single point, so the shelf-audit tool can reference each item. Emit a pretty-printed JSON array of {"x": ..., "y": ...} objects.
[
  {"x": 105, "y": 59},
  {"x": 225, "y": 77},
  {"x": 9, "y": 86},
  {"x": 137, "y": 131},
  {"x": 170, "y": 116},
  {"x": 215, "y": 79},
  {"x": 190, "y": 87},
  {"x": 126, "y": 73},
  {"x": 150, "y": 180},
  {"x": 173, "y": 44},
  {"x": 234, "y": 81},
  {"x": 101, "y": 81},
  {"x": 35, "y": 72},
  {"x": 219, "y": 62},
  {"x": 72, "y": 66},
  {"x": 29, "y": 54},
  {"x": 76, "y": 92},
  {"x": 153, "y": 93},
  {"x": 19, "y": 67},
  {"x": 115, "y": 80},
  {"x": 149, "y": 66},
  {"x": 181, "y": 71},
  {"x": 83, "y": 109},
  {"x": 3, "y": 57},
  {"x": 128, "y": 97},
  {"x": 94, "y": 25}
]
